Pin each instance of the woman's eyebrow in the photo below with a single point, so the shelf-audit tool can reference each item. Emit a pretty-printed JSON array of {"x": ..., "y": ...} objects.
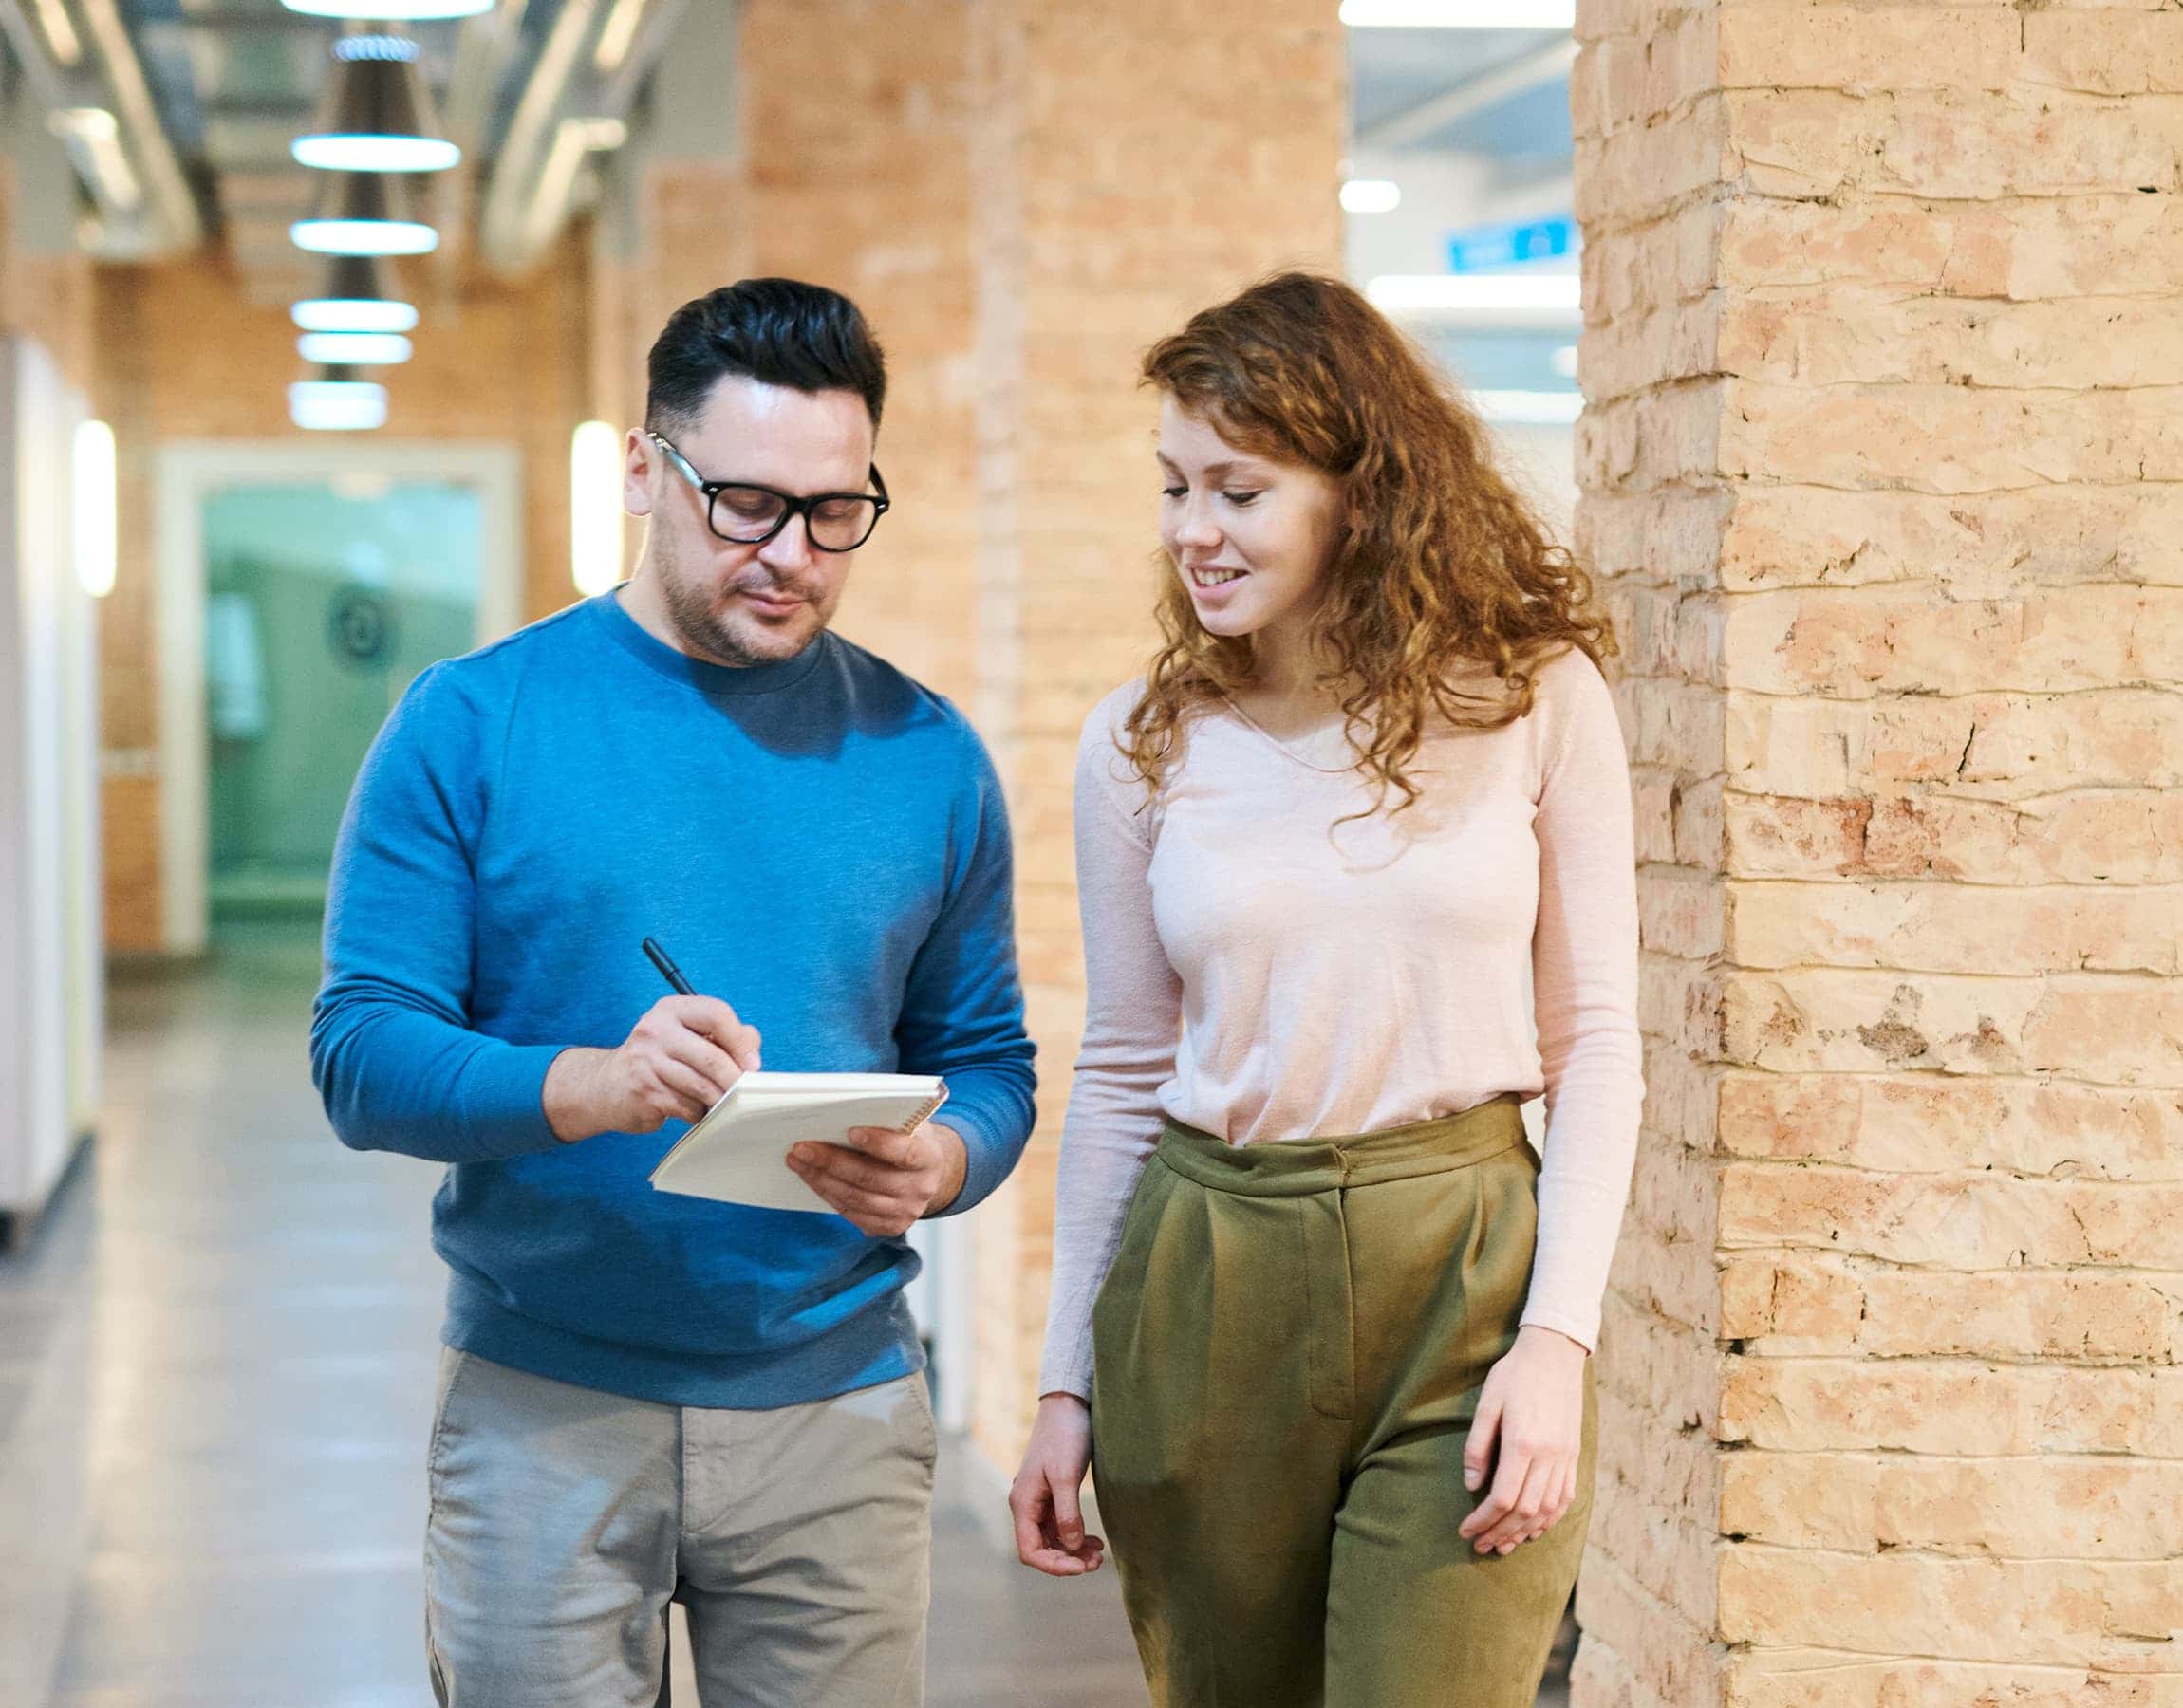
[{"x": 1214, "y": 471}]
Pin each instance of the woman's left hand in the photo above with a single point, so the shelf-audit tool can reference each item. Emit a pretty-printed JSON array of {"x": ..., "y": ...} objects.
[{"x": 1533, "y": 1406}]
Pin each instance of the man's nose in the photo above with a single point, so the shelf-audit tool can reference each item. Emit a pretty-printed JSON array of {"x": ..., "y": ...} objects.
[{"x": 788, "y": 549}]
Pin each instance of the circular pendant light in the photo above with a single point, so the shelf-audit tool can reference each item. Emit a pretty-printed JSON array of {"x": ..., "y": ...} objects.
[
  {"x": 354, "y": 349},
  {"x": 377, "y": 115},
  {"x": 356, "y": 297},
  {"x": 337, "y": 402},
  {"x": 388, "y": 11},
  {"x": 363, "y": 214}
]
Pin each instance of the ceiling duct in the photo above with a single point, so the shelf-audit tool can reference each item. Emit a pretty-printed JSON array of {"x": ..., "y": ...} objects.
[
  {"x": 84, "y": 69},
  {"x": 576, "y": 103}
]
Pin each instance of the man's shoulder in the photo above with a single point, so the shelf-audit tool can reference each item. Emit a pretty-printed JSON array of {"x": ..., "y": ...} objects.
[
  {"x": 893, "y": 703},
  {"x": 485, "y": 679}
]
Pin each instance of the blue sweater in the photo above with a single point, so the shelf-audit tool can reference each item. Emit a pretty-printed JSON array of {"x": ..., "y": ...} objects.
[{"x": 820, "y": 842}]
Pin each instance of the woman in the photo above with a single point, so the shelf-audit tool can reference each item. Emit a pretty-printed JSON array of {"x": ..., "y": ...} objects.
[{"x": 1334, "y": 1389}]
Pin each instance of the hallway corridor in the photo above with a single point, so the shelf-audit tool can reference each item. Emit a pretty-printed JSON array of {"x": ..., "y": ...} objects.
[{"x": 216, "y": 1379}]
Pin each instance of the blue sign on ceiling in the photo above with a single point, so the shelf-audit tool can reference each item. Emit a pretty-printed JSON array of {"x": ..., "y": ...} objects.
[{"x": 1477, "y": 247}]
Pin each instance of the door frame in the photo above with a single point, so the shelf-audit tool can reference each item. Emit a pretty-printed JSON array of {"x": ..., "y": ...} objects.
[{"x": 188, "y": 472}]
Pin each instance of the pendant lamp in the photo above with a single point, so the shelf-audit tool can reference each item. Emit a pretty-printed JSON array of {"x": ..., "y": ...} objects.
[
  {"x": 358, "y": 295},
  {"x": 388, "y": 11},
  {"x": 363, "y": 214},
  {"x": 337, "y": 402},
  {"x": 377, "y": 116}
]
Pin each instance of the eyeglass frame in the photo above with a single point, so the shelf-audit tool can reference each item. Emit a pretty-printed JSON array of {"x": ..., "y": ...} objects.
[{"x": 792, "y": 506}]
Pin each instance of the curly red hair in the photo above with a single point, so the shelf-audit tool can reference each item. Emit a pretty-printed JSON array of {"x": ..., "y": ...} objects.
[{"x": 1441, "y": 561}]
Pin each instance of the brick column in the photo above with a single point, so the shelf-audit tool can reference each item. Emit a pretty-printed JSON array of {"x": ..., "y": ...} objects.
[
  {"x": 1882, "y": 462},
  {"x": 839, "y": 153},
  {"x": 1134, "y": 162},
  {"x": 1021, "y": 197}
]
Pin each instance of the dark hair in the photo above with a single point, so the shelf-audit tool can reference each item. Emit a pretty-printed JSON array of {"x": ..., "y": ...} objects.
[{"x": 775, "y": 331}]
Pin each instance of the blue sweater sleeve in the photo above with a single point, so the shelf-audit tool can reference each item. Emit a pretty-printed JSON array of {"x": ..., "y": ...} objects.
[
  {"x": 963, "y": 1012},
  {"x": 391, "y": 1049}
]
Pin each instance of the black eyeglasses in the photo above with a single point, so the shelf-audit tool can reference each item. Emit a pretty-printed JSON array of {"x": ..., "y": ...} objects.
[{"x": 745, "y": 515}]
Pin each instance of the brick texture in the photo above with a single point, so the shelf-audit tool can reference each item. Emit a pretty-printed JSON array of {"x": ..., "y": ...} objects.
[
  {"x": 1014, "y": 262},
  {"x": 1881, "y": 467},
  {"x": 181, "y": 354},
  {"x": 867, "y": 191},
  {"x": 1092, "y": 239}
]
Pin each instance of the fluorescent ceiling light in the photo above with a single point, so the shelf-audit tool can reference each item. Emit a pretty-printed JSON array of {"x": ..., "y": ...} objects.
[
  {"x": 1372, "y": 195},
  {"x": 1528, "y": 408},
  {"x": 1564, "y": 360},
  {"x": 92, "y": 476},
  {"x": 354, "y": 349},
  {"x": 377, "y": 117},
  {"x": 595, "y": 506},
  {"x": 615, "y": 36},
  {"x": 337, "y": 405},
  {"x": 352, "y": 314},
  {"x": 59, "y": 32},
  {"x": 1458, "y": 14},
  {"x": 363, "y": 236},
  {"x": 357, "y": 296},
  {"x": 93, "y": 136},
  {"x": 363, "y": 214},
  {"x": 360, "y": 152},
  {"x": 388, "y": 10}
]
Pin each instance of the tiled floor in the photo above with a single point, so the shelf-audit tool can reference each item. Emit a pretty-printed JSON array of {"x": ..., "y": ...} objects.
[{"x": 215, "y": 1373}]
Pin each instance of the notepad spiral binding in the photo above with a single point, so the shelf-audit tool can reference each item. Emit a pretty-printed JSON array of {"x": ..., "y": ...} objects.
[{"x": 927, "y": 1112}]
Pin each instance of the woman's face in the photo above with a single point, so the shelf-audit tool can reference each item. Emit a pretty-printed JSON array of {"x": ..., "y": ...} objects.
[{"x": 1251, "y": 538}]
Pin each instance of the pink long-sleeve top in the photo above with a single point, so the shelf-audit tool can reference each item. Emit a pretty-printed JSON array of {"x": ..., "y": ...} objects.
[{"x": 1256, "y": 972}]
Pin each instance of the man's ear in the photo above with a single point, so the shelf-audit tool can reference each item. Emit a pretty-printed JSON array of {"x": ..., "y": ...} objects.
[{"x": 639, "y": 458}]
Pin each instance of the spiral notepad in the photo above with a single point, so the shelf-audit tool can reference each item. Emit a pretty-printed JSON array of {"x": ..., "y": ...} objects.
[{"x": 737, "y": 1152}]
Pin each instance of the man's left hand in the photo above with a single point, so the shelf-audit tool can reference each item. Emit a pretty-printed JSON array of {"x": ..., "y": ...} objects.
[{"x": 884, "y": 1179}]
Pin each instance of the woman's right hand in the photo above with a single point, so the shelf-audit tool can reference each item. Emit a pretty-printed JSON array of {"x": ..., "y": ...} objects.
[{"x": 1044, "y": 1499}]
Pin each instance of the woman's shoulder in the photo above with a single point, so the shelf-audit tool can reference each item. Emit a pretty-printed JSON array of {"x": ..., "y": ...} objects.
[
  {"x": 1572, "y": 708},
  {"x": 1570, "y": 687},
  {"x": 1568, "y": 672},
  {"x": 1107, "y": 725},
  {"x": 1565, "y": 684},
  {"x": 1106, "y": 771}
]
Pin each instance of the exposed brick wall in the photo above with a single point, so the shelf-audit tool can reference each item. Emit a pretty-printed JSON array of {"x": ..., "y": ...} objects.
[
  {"x": 1134, "y": 162},
  {"x": 848, "y": 165},
  {"x": 180, "y": 353},
  {"x": 1881, "y": 460},
  {"x": 1022, "y": 198}
]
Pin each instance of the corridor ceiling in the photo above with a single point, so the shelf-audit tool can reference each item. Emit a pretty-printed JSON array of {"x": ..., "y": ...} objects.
[{"x": 526, "y": 89}]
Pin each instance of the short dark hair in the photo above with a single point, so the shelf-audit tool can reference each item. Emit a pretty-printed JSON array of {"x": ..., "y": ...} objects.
[{"x": 775, "y": 331}]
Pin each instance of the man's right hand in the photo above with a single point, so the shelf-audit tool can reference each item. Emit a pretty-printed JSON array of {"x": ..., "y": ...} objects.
[{"x": 676, "y": 1062}]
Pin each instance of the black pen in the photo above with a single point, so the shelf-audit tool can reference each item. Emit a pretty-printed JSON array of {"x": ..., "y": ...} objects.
[{"x": 668, "y": 971}]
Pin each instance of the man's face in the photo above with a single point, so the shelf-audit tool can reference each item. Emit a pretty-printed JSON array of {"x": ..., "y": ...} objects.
[{"x": 742, "y": 604}]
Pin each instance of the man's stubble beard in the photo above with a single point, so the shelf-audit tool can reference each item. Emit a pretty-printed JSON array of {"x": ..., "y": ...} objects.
[{"x": 698, "y": 624}]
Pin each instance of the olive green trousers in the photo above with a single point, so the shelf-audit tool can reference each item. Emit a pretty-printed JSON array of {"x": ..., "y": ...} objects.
[{"x": 1288, "y": 1354}]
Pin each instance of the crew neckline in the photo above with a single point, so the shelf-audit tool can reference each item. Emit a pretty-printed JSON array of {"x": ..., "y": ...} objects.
[{"x": 701, "y": 674}]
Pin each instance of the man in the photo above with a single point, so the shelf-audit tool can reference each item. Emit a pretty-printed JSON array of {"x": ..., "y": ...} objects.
[{"x": 645, "y": 1394}]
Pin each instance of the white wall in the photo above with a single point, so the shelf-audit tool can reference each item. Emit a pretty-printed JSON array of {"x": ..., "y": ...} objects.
[{"x": 49, "y": 963}]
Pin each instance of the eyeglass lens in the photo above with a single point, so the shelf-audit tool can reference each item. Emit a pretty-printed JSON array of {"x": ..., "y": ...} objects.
[{"x": 747, "y": 513}]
